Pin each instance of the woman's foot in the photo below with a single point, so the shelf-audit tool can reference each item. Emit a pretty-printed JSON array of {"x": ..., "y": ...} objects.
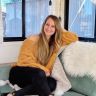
[
  {"x": 10, "y": 94},
  {"x": 7, "y": 94}
]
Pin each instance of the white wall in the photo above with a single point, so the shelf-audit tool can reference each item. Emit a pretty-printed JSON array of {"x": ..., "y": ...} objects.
[
  {"x": 9, "y": 50},
  {"x": 58, "y": 9}
]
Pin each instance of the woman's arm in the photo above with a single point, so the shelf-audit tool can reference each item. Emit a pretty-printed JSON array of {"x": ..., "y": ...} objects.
[{"x": 68, "y": 37}]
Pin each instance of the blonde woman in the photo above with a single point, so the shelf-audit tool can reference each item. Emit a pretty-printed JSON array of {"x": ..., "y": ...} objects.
[{"x": 35, "y": 63}]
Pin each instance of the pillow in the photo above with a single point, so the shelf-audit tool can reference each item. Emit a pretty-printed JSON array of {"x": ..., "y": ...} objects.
[
  {"x": 60, "y": 50},
  {"x": 63, "y": 83}
]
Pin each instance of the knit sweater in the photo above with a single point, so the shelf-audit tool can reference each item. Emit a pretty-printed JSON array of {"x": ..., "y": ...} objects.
[{"x": 28, "y": 58}]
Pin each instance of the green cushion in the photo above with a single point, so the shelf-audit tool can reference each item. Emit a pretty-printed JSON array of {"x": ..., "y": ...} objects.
[
  {"x": 5, "y": 89},
  {"x": 4, "y": 71},
  {"x": 84, "y": 85},
  {"x": 4, "y": 74},
  {"x": 71, "y": 93}
]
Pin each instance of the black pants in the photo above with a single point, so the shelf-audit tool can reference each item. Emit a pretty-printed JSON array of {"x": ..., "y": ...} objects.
[{"x": 33, "y": 81}]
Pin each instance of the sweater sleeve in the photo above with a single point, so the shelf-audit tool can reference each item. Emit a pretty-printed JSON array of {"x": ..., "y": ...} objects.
[
  {"x": 27, "y": 57},
  {"x": 68, "y": 37}
]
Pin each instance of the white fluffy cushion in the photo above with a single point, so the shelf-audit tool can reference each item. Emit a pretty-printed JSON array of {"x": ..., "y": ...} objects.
[
  {"x": 79, "y": 59},
  {"x": 61, "y": 49},
  {"x": 63, "y": 83}
]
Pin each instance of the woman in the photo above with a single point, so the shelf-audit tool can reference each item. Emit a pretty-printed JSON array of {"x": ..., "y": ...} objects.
[{"x": 38, "y": 53}]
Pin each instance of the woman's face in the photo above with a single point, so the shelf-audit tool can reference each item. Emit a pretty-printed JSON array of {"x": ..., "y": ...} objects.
[{"x": 49, "y": 28}]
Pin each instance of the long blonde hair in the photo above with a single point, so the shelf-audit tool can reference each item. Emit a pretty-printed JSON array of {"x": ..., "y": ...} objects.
[{"x": 46, "y": 48}]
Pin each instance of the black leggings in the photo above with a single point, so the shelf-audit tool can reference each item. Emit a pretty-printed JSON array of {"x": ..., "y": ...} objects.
[{"x": 33, "y": 81}]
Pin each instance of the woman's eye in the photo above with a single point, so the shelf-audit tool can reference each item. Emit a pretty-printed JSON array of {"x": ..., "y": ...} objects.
[
  {"x": 47, "y": 24},
  {"x": 53, "y": 26}
]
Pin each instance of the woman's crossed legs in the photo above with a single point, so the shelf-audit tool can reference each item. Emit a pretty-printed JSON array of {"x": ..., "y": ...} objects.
[{"x": 33, "y": 81}]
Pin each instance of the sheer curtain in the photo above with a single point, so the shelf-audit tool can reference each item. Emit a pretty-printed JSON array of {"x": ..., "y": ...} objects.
[
  {"x": 82, "y": 21},
  {"x": 36, "y": 12}
]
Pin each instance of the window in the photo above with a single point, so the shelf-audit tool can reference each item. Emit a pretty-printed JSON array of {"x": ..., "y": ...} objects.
[
  {"x": 22, "y": 18},
  {"x": 12, "y": 19},
  {"x": 81, "y": 19}
]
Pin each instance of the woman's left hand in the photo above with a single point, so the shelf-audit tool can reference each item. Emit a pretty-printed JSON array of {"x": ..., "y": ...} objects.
[{"x": 47, "y": 73}]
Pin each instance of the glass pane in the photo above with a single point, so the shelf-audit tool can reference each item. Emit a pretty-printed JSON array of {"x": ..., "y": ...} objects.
[
  {"x": 82, "y": 17},
  {"x": 12, "y": 17},
  {"x": 36, "y": 11}
]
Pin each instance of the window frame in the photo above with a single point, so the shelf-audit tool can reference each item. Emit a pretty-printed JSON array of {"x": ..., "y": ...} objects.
[
  {"x": 66, "y": 13},
  {"x": 11, "y": 39}
]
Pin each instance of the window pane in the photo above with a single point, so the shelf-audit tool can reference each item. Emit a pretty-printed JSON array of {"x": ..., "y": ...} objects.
[
  {"x": 12, "y": 17},
  {"x": 36, "y": 11},
  {"x": 82, "y": 17}
]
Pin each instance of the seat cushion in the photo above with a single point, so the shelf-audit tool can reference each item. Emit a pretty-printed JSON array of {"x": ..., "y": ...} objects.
[
  {"x": 84, "y": 85},
  {"x": 4, "y": 74},
  {"x": 71, "y": 93},
  {"x": 5, "y": 89},
  {"x": 4, "y": 71}
]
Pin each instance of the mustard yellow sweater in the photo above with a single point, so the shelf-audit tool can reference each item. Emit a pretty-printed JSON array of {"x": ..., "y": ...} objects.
[{"x": 27, "y": 56}]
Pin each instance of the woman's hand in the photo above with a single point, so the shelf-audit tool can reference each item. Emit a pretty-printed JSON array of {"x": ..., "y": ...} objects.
[{"x": 47, "y": 73}]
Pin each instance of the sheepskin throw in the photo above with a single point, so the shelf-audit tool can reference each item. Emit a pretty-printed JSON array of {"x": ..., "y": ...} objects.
[
  {"x": 63, "y": 83},
  {"x": 79, "y": 59}
]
